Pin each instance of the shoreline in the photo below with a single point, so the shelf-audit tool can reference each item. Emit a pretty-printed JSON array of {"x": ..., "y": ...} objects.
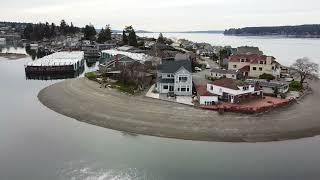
[
  {"x": 85, "y": 101},
  {"x": 13, "y": 56}
]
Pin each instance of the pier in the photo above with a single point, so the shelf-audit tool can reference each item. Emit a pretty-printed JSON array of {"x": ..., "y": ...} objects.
[{"x": 57, "y": 63}]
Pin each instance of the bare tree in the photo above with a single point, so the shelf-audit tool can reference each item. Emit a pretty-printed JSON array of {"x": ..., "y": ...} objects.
[{"x": 305, "y": 69}]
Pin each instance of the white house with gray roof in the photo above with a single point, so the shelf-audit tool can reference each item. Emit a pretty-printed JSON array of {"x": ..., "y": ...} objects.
[
  {"x": 270, "y": 87},
  {"x": 175, "y": 77}
]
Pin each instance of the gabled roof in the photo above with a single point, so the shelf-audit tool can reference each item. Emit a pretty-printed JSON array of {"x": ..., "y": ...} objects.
[
  {"x": 265, "y": 83},
  {"x": 229, "y": 83},
  {"x": 251, "y": 58},
  {"x": 202, "y": 91},
  {"x": 245, "y": 69},
  {"x": 169, "y": 66}
]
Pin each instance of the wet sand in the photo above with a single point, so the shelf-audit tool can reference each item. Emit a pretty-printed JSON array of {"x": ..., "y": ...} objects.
[{"x": 85, "y": 101}]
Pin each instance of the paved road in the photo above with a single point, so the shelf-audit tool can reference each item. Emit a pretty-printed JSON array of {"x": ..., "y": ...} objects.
[
  {"x": 85, "y": 101},
  {"x": 199, "y": 77}
]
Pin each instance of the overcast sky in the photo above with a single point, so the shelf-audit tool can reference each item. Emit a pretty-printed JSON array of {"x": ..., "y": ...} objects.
[{"x": 165, "y": 15}]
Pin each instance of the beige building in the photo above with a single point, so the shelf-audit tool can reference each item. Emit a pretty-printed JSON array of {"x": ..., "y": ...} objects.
[{"x": 254, "y": 65}]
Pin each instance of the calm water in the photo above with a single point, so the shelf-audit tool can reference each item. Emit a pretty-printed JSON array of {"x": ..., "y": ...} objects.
[
  {"x": 286, "y": 50},
  {"x": 37, "y": 143}
]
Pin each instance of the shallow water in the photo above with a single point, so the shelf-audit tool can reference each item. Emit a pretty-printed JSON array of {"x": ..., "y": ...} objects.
[{"x": 37, "y": 143}]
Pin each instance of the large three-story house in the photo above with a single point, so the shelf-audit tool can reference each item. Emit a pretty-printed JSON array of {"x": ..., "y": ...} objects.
[
  {"x": 254, "y": 65},
  {"x": 175, "y": 77}
]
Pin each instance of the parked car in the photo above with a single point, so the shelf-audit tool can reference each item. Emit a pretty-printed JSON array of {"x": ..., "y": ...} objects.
[
  {"x": 197, "y": 69},
  {"x": 208, "y": 66}
]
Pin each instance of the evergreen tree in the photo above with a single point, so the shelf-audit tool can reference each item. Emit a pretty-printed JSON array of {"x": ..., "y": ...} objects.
[
  {"x": 63, "y": 27},
  {"x": 89, "y": 32},
  {"x": 131, "y": 39},
  {"x": 104, "y": 35},
  {"x": 108, "y": 33},
  {"x": 124, "y": 38},
  {"x": 161, "y": 39}
]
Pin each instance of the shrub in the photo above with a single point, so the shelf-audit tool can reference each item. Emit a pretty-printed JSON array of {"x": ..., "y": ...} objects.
[
  {"x": 295, "y": 86},
  {"x": 91, "y": 75},
  {"x": 267, "y": 76}
]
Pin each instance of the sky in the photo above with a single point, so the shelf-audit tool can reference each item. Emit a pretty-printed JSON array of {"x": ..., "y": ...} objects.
[{"x": 164, "y": 15}]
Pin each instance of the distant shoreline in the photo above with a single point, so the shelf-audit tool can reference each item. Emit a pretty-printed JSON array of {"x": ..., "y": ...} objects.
[
  {"x": 276, "y": 36},
  {"x": 13, "y": 56},
  {"x": 85, "y": 101}
]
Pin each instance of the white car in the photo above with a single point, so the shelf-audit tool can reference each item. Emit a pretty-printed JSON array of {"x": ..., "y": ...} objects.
[
  {"x": 208, "y": 66},
  {"x": 197, "y": 69}
]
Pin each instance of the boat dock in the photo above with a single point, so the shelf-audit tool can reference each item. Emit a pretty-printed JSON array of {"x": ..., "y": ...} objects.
[{"x": 57, "y": 63}]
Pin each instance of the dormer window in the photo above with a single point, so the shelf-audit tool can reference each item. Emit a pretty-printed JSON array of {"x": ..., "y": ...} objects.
[{"x": 261, "y": 62}]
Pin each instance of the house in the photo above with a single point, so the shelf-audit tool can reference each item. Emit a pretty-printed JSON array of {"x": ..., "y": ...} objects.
[
  {"x": 270, "y": 87},
  {"x": 205, "y": 97},
  {"x": 233, "y": 91},
  {"x": 175, "y": 76},
  {"x": 222, "y": 73},
  {"x": 256, "y": 64}
]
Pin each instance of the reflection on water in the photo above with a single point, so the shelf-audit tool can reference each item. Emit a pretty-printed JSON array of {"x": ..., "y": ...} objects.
[
  {"x": 54, "y": 76},
  {"x": 93, "y": 171}
]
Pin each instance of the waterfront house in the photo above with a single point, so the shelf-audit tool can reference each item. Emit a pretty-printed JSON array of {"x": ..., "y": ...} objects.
[
  {"x": 230, "y": 90},
  {"x": 205, "y": 97},
  {"x": 175, "y": 77},
  {"x": 270, "y": 87},
  {"x": 256, "y": 64},
  {"x": 223, "y": 73}
]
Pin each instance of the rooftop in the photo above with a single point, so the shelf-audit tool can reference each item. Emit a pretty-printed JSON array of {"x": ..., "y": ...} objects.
[
  {"x": 169, "y": 66},
  {"x": 223, "y": 71},
  {"x": 136, "y": 56},
  {"x": 265, "y": 83},
  {"x": 58, "y": 59},
  {"x": 202, "y": 91},
  {"x": 229, "y": 83},
  {"x": 250, "y": 58}
]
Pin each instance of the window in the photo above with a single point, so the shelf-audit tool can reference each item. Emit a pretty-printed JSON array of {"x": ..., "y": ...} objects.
[
  {"x": 183, "y": 89},
  {"x": 166, "y": 87},
  {"x": 168, "y": 75},
  {"x": 272, "y": 68},
  {"x": 242, "y": 60},
  {"x": 254, "y": 68},
  {"x": 183, "y": 79},
  {"x": 261, "y": 62},
  {"x": 234, "y": 66},
  {"x": 211, "y": 88},
  {"x": 188, "y": 89},
  {"x": 260, "y": 68}
]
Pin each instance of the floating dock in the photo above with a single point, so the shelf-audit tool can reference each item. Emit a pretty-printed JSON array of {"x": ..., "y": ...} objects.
[{"x": 57, "y": 63}]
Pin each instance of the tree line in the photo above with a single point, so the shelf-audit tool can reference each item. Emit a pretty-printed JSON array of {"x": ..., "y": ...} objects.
[
  {"x": 36, "y": 32},
  {"x": 302, "y": 30}
]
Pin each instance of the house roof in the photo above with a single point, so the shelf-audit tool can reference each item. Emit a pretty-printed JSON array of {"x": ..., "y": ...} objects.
[
  {"x": 223, "y": 71},
  {"x": 202, "y": 91},
  {"x": 250, "y": 58},
  {"x": 229, "y": 83},
  {"x": 169, "y": 66},
  {"x": 265, "y": 83},
  {"x": 245, "y": 69}
]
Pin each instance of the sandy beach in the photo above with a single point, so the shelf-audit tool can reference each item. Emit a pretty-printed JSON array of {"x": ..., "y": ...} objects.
[{"x": 85, "y": 101}]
